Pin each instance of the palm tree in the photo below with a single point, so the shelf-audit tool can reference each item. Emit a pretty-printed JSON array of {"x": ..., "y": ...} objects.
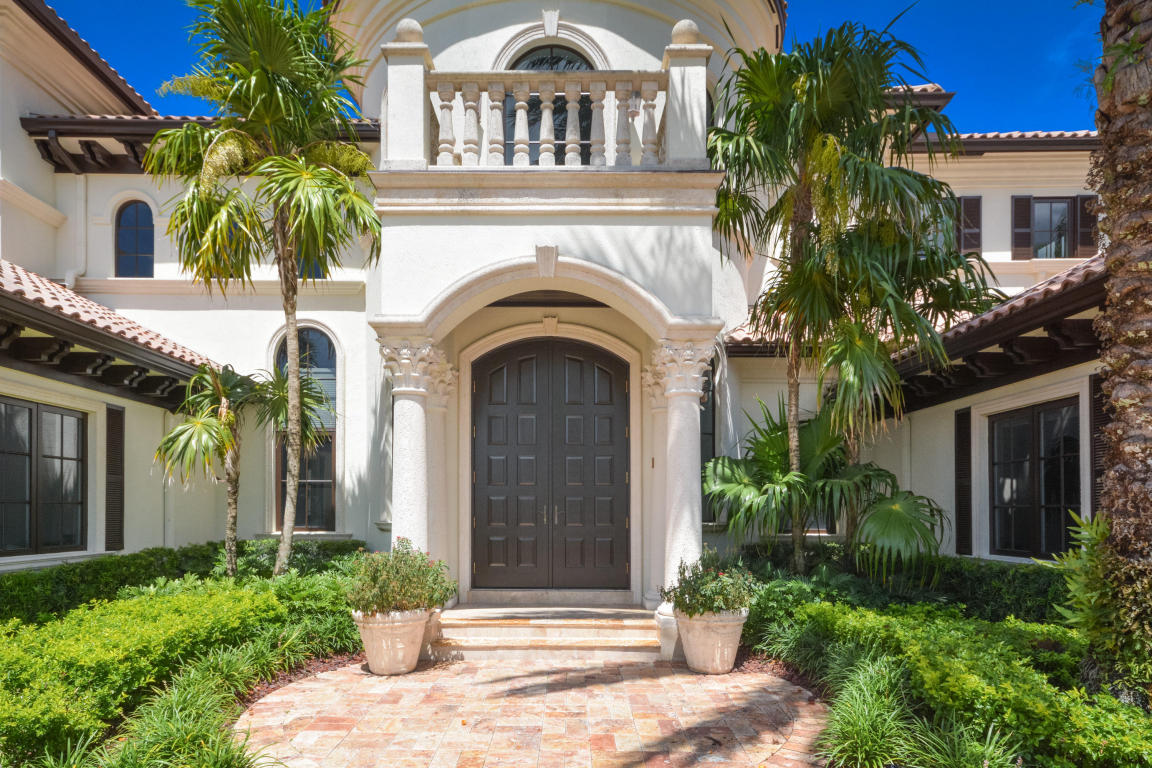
[
  {"x": 761, "y": 493},
  {"x": 1120, "y": 171},
  {"x": 814, "y": 144},
  {"x": 275, "y": 178},
  {"x": 208, "y": 441}
]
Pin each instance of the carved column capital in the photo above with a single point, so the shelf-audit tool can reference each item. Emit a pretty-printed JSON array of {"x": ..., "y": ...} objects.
[
  {"x": 652, "y": 380},
  {"x": 683, "y": 364},
  {"x": 442, "y": 383},
  {"x": 416, "y": 367}
]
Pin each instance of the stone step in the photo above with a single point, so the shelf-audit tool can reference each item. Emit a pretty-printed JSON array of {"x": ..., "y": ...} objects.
[
  {"x": 599, "y": 648},
  {"x": 460, "y": 628}
]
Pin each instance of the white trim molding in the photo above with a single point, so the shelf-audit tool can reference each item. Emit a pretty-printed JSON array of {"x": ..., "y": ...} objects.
[
  {"x": 16, "y": 195},
  {"x": 551, "y": 30}
]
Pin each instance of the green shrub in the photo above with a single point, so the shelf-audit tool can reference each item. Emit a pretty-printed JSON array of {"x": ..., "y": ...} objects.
[
  {"x": 69, "y": 678},
  {"x": 1009, "y": 675},
  {"x": 710, "y": 585},
  {"x": 39, "y": 595},
  {"x": 993, "y": 590},
  {"x": 869, "y": 720},
  {"x": 404, "y": 579}
]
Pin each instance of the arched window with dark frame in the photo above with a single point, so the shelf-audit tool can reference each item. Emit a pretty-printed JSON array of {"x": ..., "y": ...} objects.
[
  {"x": 549, "y": 58},
  {"x": 135, "y": 240},
  {"x": 316, "y": 496}
]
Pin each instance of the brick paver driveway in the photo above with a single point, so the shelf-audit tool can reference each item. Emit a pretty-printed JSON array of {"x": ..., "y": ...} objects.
[{"x": 533, "y": 714}]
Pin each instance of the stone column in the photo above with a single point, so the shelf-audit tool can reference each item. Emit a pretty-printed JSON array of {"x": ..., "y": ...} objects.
[
  {"x": 404, "y": 130},
  {"x": 443, "y": 384},
  {"x": 412, "y": 367},
  {"x": 686, "y": 113},
  {"x": 684, "y": 364},
  {"x": 655, "y": 512}
]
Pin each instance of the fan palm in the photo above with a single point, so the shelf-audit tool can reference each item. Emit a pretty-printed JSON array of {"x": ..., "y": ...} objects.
[
  {"x": 275, "y": 178},
  {"x": 761, "y": 493},
  {"x": 208, "y": 441},
  {"x": 815, "y": 144}
]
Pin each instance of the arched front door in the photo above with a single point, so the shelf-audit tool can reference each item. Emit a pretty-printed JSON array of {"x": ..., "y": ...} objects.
[{"x": 550, "y": 462}]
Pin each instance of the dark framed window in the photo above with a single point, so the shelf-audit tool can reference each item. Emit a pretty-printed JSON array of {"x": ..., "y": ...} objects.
[
  {"x": 316, "y": 495},
  {"x": 135, "y": 240},
  {"x": 708, "y": 433},
  {"x": 549, "y": 58},
  {"x": 968, "y": 224},
  {"x": 1054, "y": 227},
  {"x": 43, "y": 477},
  {"x": 1034, "y": 469}
]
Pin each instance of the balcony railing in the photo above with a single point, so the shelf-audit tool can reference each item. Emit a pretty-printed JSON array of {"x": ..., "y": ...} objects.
[
  {"x": 620, "y": 104},
  {"x": 617, "y": 119}
]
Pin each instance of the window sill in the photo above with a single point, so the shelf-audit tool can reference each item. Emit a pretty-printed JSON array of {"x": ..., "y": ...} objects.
[
  {"x": 46, "y": 560},
  {"x": 301, "y": 535}
]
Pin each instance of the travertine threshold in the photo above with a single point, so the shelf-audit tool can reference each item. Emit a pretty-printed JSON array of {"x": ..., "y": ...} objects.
[{"x": 536, "y": 714}]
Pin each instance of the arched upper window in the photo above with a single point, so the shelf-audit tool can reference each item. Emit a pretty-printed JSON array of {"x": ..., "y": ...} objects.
[
  {"x": 316, "y": 499},
  {"x": 135, "y": 240},
  {"x": 549, "y": 58}
]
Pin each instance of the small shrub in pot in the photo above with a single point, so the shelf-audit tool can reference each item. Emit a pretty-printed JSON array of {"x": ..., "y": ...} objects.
[
  {"x": 392, "y": 595},
  {"x": 710, "y": 601}
]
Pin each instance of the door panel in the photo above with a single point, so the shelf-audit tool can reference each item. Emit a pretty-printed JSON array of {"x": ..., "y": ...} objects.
[
  {"x": 592, "y": 527},
  {"x": 510, "y": 503},
  {"x": 551, "y": 450}
]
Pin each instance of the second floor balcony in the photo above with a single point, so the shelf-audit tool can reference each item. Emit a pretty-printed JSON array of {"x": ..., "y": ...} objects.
[{"x": 551, "y": 110}]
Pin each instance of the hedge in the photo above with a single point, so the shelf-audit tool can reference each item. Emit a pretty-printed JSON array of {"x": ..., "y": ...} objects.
[
  {"x": 74, "y": 678},
  {"x": 39, "y": 595},
  {"x": 68, "y": 678},
  {"x": 989, "y": 589},
  {"x": 1016, "y": 676}
]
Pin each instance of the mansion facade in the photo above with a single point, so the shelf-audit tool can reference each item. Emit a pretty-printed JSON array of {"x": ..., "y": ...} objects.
[{"x": 528, "y": 378}]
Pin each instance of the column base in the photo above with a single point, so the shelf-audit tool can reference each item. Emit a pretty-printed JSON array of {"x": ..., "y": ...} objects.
[
  {"x": 670, "y": 645},
  {"x": 652, "y": 600}
]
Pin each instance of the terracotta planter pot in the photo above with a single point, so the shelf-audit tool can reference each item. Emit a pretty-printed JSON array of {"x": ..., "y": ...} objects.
[
  {"x": 392, "y": 640},
  {"x": 710, "y": 640}
]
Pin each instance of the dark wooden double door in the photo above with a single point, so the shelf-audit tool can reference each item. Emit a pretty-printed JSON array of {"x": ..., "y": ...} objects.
[{"x": 550, "y": 455}]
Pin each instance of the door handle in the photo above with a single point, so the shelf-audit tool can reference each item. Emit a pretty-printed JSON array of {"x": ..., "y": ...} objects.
[{"x": 556, "y": 515}]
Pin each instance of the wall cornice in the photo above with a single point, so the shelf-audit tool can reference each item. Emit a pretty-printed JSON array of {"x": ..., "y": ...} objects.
[
  {"x": 520, "y": 191},
  {"x": 148, "y": 286},
  {"x": 24, "y": 200}
]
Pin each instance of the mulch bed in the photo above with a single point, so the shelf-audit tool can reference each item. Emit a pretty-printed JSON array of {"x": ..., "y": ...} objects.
[
  {"x": 749, "y": 661},
  {"x": 311, "y": 667}
]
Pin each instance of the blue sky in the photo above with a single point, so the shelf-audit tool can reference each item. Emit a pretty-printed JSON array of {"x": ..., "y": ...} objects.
[{"x": 1014, "y": 64}]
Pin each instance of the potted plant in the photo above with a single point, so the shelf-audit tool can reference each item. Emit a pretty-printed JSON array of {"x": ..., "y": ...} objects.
[
  {"x": 710, "y": 602},
  {"x": 392, "y": 595}
]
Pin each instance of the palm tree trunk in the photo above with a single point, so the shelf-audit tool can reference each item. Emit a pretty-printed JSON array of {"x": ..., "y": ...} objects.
[
  {"x": 289, "y": 282},
  {"x": 799, "y": 519},
  {"x": 232, "y": 485},
  {"x": 851, "y": 511},
  {"x": 1123, "y": 82},
  {"x": 232, "y": 479}
]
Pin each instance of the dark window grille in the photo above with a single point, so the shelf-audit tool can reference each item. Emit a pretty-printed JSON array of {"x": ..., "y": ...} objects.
[
  {"x": 549, "y": 58},
  {"x": 708, "y": 435},
  {"x": 316, "y": 493},
  {"x": 135, "y": 240},
  {"x": 43, "y": 478},
  {"x": 1034, "y": 472}
]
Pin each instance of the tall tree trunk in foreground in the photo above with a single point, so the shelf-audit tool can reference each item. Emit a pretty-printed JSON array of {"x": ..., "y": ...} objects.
[
  {"x": 1123, "y": 174},
  {"x": 799, "y": 516},
  {"x": 289, "y": 276},
  {"x": 231, "y": 484}
]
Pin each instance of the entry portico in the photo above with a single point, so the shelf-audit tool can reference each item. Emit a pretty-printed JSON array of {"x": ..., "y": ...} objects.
[{"x": 440, "y": 430}]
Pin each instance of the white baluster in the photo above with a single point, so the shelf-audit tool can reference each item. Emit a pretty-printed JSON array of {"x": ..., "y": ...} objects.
[
  {"x": 520, "y": 136},
  {"x": 547, "y": 124},
  {"x": 471, "y": 95},
  {"x": 648, "y": 138},
  {"x": 496, "y": 124},
  {"x": 447, "y": 143},
  {"x": 597, "y": 91},
  {"x": 572, "y": 130},
  {"x": 623, "y": 124}
]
